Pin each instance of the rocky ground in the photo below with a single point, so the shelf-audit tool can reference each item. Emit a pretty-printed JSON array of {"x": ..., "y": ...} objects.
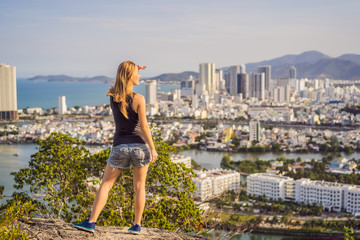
[{"x": 45, "y": 229}]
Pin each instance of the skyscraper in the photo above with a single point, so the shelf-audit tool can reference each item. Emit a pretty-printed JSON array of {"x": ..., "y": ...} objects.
[
  {"x": 267, "y": 71},
  {"x": 257, "y": 85},
  {"x": 8, "y": 95},
  {"x": 283, "y": 81},
  {"x": 188, "y": 87},
  {"x": 234, "y": 71},
  {"x": 281, "y": 94},
  {"x": 219, "y": 82},
  {"x": 226, "y": 75},
  {"x": 292, "y": 72},
  {"x": 151, "y": 93},
  {"x": 242, "y": 68},
  {"x": 207, "y": 77},
  {"x": 62, "y": 105},
  {"x": 243, "y": 85}
]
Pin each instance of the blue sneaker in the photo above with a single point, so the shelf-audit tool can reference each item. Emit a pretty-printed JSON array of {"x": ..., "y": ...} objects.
[
  {"x": 135, "y": 229},
  {"x": 86, "y": 226}
]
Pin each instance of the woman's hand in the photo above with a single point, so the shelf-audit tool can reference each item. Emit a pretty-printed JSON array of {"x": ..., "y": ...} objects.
[
  {"x": 154, "y": 155},
  {"x": 141, "y": 67}
]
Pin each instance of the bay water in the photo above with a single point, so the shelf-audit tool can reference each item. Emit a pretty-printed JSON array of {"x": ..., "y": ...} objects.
[{"x": 46, "y": 94}]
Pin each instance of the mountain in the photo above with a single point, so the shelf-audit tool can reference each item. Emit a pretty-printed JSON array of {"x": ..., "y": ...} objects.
[
  {"x": 351, "y": 57},
  {"x": 166, "y": 77},
  {"x": 65, "y": 78},
  {"x": 313, "y": 64},
  {"x": 330, "y": 68},
  {"x": 310, "y": 57},
  {"x": 326, "y": 68}
]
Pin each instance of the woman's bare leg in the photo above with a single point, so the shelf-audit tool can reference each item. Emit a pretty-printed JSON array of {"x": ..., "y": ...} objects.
[
  {"x": 110, "y": 176},
  {"x": 139, "y": 187}
]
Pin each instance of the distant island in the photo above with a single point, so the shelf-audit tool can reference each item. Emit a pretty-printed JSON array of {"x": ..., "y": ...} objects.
[
  {"x": 310, "y": 64},
  {"x": 65, "y": 78}
]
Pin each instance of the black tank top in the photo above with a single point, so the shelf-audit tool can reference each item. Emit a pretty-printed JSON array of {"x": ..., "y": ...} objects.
[{"x": 127, "y": 129}]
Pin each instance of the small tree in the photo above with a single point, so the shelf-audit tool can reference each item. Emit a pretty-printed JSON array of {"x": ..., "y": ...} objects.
[
  {"x": 58, "y": 171},
  {"x": 65, "y": 174}
]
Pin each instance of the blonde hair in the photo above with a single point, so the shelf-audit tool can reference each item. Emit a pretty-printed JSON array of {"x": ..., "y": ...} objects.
[{"x": 119, "y": 90}]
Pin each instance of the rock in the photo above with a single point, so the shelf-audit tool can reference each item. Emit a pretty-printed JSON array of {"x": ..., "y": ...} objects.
[{"x": 45, "y": 229}]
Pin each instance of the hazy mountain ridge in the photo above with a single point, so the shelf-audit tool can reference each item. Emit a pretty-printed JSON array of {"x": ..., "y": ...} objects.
[
  {"x": 166, "y": 77},
  {"x": 65, "y": 78},
  {"x": 310, "y": 64},
  {"x": 313, "y": 64},
  {"x": 351, "y": 57},
  {"x": 291, "y": 59}
]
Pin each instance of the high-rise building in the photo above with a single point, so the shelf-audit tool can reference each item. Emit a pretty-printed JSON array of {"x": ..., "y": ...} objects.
[
  {"x": 187, "y": 87},
  {"x": 242, "y": 68},
  {"x": 219, "y": 82},
  {"x": 283, "y": 81},
  {"x": 8, "y": 95},
  {"x": 257, "y": 85},
  {"x": 234, "y": 71},
  {"x": 62, "y": 105},
  {"x": 255, "y": 130},
  {"x": 194, "y": 102},
  {"x": 292, "y": 72},
  {"x": 227, "y": 80},
  {"x": 243, "y": 85},
  {"x": 151, "y": 92},
  {"x": 281, "y": 94},
  {"x": 267, "y": 71},
  {"x": 207, "y": 77},
  {"x": 300, "y": 85},
  {"x": 189, "y": 83}
]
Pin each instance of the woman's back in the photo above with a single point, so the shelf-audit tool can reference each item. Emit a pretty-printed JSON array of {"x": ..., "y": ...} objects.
[{"x": 127, "y": 129}]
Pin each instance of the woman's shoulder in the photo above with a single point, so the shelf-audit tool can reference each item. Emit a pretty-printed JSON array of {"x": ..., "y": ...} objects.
[{"x": 138, "y": 97}]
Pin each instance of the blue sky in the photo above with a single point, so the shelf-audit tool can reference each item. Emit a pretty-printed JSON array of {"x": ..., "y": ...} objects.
[{"x": 87, "y": 37}]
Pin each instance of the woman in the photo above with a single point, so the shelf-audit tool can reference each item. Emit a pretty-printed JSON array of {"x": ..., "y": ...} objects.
[{"x": 129, "y": 145}]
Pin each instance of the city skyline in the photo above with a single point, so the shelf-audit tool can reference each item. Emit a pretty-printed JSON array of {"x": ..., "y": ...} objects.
[{"x": 90, "y": 38}]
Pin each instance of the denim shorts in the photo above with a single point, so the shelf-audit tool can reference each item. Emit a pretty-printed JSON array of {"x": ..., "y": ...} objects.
[{"x": 136, "y": 153}]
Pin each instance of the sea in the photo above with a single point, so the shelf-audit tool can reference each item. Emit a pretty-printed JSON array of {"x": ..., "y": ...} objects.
[{"x": 46, "y": 94}]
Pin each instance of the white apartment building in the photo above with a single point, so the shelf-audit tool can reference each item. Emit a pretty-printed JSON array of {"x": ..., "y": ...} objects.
[
  {"x": 331, "y": 196},
  {"x": 62, "y": 105},
  {"x": 151, "y": 92},
  {"x": 273, "y": 186},
  {"x": 207, "y": 79},
  {"x": 181, "y": 159},
  {"x": 327, "y": 194},
  {"x": 8, "y": 93},
  {"x": 352, "y": 198},
  {"x": 214, "y": 182}
]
